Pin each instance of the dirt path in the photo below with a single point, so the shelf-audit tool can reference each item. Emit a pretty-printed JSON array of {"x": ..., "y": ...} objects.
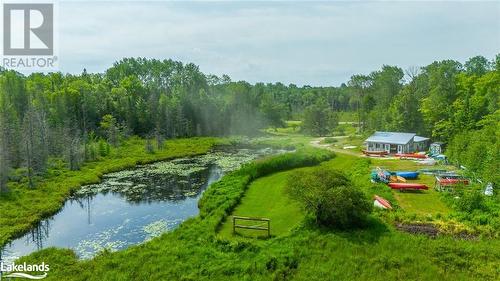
[{"x": 317, "y": 143}]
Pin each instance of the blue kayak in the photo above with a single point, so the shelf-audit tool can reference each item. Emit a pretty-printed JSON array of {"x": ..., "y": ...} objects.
[{"x": 408, "y": 175}]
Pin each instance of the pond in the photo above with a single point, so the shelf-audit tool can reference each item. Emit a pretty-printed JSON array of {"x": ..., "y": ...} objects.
[{"x": 131, "y": 206}]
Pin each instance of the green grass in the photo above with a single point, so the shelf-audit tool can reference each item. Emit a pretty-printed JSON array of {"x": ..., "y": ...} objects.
[
  {"x": 194, "y": 251},
  {"x": 344, "y": 162},
  {"x": 290, "y": 128},
  {"x": 349, "y": 141},
  {"x": 23, "y": 207},
  {"x": 283, "y": 140},
  {"x": 410, "y": 206},
  {"x": 290, "y": 123},
  {"x": 266, "y": 198},
  {"x": 345, "y": 116},
  {"x": 421, "y": 203},
  {"x": 425, "y": 202}
]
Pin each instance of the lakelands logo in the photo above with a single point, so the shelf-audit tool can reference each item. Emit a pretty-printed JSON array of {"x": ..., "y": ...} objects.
[
  {"x": 19, "y": 270},
  {"x": 29, "y": 36}
]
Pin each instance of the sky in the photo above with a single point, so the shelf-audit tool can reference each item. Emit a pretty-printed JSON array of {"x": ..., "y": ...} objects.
[{"x": 304, "y": 43}]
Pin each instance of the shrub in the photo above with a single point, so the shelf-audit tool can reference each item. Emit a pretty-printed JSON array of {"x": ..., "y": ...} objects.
[
  {"x": 149, "y": 146},
  {"x": 300, "y": 158},
  {"x": 330, "y": 197},
  {"x": 103, "y": 148},
  {"x": 471, "y": 201},
  {"x": 330, "y": 140}
]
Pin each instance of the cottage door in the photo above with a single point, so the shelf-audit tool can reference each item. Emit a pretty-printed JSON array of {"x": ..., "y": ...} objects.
[
  {"x": 388, "y": 148},
  {"x": 400, "y": 148}
]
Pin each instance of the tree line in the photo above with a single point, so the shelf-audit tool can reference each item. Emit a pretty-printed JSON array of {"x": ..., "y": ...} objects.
[
  {"x": 448, "y": 101},
  {"x": 77, "y": 118}
]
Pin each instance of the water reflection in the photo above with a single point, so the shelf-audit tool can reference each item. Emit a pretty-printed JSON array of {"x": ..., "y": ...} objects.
[
  {"x": 131, "y": 206},
  {"x": 38, "y": 234}
]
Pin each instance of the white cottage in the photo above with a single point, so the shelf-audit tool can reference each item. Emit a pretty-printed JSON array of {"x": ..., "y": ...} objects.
[{"x": 395, "y": 142}]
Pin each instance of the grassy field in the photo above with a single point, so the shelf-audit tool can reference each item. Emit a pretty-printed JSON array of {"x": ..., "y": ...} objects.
[
  {"x": 424, "y": 202},
  {"x": 266, "y": 198},
  {"x": 203, "y": 248},
  {"x": 290, "y": 127},
  {"x": 348, "y": 117},
  {"x": 22, "y": 207},
  {"x": 195, "y": 251}
]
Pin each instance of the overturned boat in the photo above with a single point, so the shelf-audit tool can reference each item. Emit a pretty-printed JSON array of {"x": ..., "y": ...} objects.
[
  {"x": 375, "y": 153},
  {"x": 409, "y": 175},
  {"x": 380, "y": 202},
  {"x": 411, "y": 155},
  {"x": 407, "y": 186}
]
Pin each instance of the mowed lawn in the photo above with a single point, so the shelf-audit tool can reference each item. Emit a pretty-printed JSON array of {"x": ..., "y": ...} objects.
[
  {"x": 425, "y": 202},
  {"x": 266, "y": 198}
]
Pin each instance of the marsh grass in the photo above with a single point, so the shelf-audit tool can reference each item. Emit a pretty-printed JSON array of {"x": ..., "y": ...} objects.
[
  {"x": 195, "y": 252},
  {"x": 22, "y": 207}
]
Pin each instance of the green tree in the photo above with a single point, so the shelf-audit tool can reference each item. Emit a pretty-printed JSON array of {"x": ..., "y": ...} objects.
[
  {"x": 110, "y": 129},
  {"x": 477, "y": 65},
  {"x": 436, "y": 106},
  {"x": 330, "y": 197},
  {"x": 319, "y": 120},
  {"x": 360, "y": 85},
  {"x": 273, "y": 113}
]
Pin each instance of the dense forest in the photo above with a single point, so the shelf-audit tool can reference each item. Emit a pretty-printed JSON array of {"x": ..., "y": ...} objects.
[{"x": 77, "y": 118}]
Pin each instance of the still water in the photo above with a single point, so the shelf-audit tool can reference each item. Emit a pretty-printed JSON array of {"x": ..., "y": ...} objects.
[{"x": 131, "y": 206}]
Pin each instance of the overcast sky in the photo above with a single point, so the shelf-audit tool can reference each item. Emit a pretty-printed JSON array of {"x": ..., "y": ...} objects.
[{"x": 312, "y": 43}]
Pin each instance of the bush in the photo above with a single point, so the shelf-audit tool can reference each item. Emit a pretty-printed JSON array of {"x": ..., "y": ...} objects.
[
  {"x": 471, "y": 201},
  {"x": 330, "y": 140},
  {"x": 103, "y": 148},
  {"x": 149, "y": 146},
  {"x": 330, "y": 197},
  {"x": 300, "y": 158}
]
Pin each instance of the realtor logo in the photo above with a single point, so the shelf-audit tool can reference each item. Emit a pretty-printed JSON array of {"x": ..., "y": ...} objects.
[
  {"x": 29, "y": 35},
  {"x": 28, "y": 29}
]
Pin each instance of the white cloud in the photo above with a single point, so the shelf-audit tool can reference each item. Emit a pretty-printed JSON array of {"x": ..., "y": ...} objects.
[{"x": 314, "y": 43}]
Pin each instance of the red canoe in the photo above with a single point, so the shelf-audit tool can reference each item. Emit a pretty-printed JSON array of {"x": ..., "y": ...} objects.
[
  {"x": 404, "y": 186},
  {"x": 453, "y": 181},
  {"x": 381, "y": 202},
  {"x": 411, "y": 155},
  {"x": 375, "y": 153}
]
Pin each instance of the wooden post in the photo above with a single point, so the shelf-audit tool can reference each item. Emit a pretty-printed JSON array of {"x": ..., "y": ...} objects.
[{"x": 256, "y": 227}]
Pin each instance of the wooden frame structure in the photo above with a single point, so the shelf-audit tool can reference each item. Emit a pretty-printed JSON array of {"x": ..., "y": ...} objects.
[{"x": 256, "y": 227}]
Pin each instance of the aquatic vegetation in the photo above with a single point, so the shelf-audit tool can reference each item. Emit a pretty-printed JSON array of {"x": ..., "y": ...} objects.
[
  {"x": 186, "y": 176},
  {"x": 193, "y": 251},
  {"x": 159, "y": 227},
  {"x": 155, "y": 229},
  {"x": 22, "y": 208},
  {"x": 174, "y": 186},
  {"x": 101, "y": 241}
]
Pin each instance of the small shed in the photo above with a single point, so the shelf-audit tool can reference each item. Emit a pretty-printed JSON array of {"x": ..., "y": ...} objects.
[{"x": 436, "y": 148}]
